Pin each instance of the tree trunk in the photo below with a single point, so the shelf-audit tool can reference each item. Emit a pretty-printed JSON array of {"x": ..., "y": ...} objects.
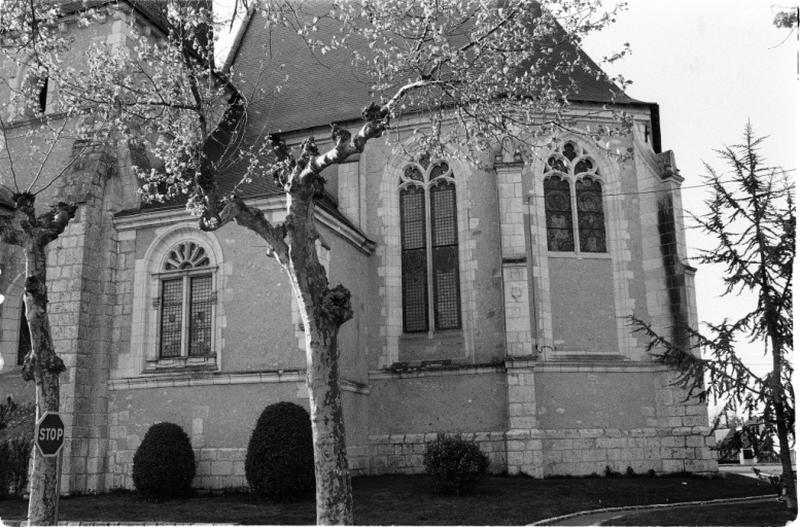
[
  {"x": 786, "y": 457},
  {"x": 333, "y": 490},
  {"x": 778, "y": 396},
  {"x": 322, "y": 310},
  {"x": 44, "y": 367}
]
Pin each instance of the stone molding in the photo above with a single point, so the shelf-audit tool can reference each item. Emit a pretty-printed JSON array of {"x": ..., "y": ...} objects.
[
  {"x": 273, "y": 206},
  {"x": 144, "y": 319},
  {"x": 191, "y": 378}
]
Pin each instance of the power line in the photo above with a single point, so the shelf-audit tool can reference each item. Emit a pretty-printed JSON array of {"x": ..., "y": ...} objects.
[{"x": 654, "y": 191}]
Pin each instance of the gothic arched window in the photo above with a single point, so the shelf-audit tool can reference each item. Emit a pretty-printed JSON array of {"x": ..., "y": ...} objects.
[
  {"x": 186, "y": 303},
  {"x": 429, "y": 244},
  {"x": 573, "y": 202}
]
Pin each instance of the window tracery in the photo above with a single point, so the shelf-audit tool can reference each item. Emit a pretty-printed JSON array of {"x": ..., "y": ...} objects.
[{"x": 573, "y": 198}]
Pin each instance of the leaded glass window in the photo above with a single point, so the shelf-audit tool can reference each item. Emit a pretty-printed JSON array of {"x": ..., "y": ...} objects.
[
  {"x": 591, "y": 223},
  {"x": 573, "y": 201},
  {"x": 186, "y": 303},
  {"x": 558, "y": 210},
  {"x": 429, "y": 245}
]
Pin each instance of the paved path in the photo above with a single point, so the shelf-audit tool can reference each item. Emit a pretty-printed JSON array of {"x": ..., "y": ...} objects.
[{"x": 604, "y": 516}]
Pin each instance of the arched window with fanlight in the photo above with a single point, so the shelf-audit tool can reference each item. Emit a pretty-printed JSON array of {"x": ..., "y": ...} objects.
[
  {"x": 429, "y": 246},
  {"x": 573, "y": 200},
  {"x": 186, "y": 303}
]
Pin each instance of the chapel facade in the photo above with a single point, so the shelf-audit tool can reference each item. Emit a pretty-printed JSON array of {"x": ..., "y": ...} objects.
[{"x": 490, "y": 300}]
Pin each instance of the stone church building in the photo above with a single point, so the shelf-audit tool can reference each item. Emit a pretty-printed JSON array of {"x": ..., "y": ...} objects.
[{"x": 489, "y": 301}]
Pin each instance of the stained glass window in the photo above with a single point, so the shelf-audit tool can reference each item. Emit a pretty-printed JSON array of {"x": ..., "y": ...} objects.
[
  {"x": 429, "y": 238},
  {"x": 591, "y": 223},
  {"x": 573, "y": 201},
  {"x": 187, "y": 303}
]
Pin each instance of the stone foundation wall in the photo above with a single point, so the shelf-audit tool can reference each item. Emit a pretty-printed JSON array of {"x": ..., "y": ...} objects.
[
  {"x": 402, "y": 453},
  {"x": 584, "y": 451},
  {"x": 574, "y": 452},
  {"x": 216, "y": 468}
]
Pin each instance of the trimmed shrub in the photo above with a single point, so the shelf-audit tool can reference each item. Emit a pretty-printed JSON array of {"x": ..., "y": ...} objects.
[
  {"x": 280, "y": 455},
  {"x": 17, "y": 422},
  {"x": 163, "y": 465},
  {"x": 456, "y": 465}
]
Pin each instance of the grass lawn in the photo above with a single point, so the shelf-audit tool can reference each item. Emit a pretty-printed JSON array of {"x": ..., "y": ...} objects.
[
  {"x": 407, "y": 500},
  {"x": 770, "y": 513}
]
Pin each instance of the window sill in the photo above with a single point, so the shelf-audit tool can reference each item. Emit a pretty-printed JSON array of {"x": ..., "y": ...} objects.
[
  {"x": 447, "y": 334},
  {"x": 432, "y": 347},
  {"x": 206, "y": 363},
  {"x": 579, "y": 256}
]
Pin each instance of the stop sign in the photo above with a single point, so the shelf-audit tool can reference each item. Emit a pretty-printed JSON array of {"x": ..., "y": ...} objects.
[{"x": 50, "y": 434}]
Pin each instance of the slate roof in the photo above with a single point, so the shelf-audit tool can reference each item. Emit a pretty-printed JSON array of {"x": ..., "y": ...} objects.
[{"x": 320, "y": 90}]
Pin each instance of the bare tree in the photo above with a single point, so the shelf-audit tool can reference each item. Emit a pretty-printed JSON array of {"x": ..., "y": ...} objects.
[
  {"x": 473, "y": 72},
  {"x": 751, "y": 215}
]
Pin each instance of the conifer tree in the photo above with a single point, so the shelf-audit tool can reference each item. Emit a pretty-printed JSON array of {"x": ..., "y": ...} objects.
[{"x": 751, "y": 217}]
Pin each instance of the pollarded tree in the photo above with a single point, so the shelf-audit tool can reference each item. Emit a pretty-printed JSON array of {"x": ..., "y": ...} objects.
[
  {"x": 472, "y": 71},
  {"x": 751, "y": 215},
  {"x": 42, "y": 142}
]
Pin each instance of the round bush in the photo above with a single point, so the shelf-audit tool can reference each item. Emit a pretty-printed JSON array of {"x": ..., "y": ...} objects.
[
  {"x": 456, "y": 465},
  {"x": 163, "y": 465},
  {"x": 280, "y": 455}
]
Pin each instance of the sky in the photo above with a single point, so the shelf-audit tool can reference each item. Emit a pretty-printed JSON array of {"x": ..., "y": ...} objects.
[{"x": 711, "y": 65}]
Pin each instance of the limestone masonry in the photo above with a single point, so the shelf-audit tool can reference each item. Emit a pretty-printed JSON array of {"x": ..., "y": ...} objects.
[{"x": 509, "y": 328}]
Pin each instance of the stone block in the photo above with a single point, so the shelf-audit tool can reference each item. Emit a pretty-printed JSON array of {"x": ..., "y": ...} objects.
[
  {"x": 515, "y": 458},
  {"x": 700, "y": 465},
  {"x": 590, "y": 432},
  {"x": 673, "y": 422},
  {"x": 230, "y": 454},
  {"x": 676, "y": 441},
  {"x": 522, "y": 423},
  {"x": 516, "y": 446},
  {"x": 415, "y": 438},
  {"x": 221, "y": 468},
  {"x": 694, "y": 420},
  {"x": 682, "y": 431},
  {"x": 673, "y": 465},
  {"x": 696, "y": 409},
  {"x": 204, "y": 468},
  {"x": 672, "y": 453},
  {"x": 664, "y": 397},
  {"x": 695, "y": 441},
  {"x": 634, "y": 453}
]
